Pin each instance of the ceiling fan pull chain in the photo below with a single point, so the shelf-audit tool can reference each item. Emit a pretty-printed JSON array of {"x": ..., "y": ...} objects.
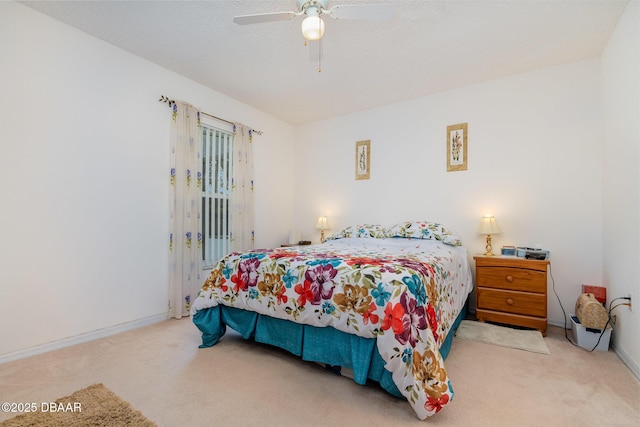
[
  {"x": 320, "y": 55},
  {"x": 320, "y": 47}
]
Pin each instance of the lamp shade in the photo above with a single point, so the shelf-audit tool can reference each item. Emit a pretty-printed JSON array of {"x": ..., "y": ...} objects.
[
  {"x": 322, "y": 224},
  {"x": 488, "y": 225},
  {"x": 312, "y": 28}
]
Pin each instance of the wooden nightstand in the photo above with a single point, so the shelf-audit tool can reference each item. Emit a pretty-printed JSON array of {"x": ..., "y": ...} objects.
[{"x": 512, "y": 290}]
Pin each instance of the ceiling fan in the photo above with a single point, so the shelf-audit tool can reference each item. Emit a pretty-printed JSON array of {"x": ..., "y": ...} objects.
[{"x": 313, "y": 10}]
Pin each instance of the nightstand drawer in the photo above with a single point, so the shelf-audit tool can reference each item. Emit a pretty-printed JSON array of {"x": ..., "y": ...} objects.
[
  {"x": 518, "y": 279},
  {"x": 512, "y": 302}
]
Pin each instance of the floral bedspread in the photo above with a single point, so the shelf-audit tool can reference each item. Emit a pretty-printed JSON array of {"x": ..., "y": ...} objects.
[{"x": 406, "y": 293}]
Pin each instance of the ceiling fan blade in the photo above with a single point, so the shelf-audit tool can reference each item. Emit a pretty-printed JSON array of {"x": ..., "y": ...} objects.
[
  {"x": 264, "y": 17},
  {"x": 362, "y": 11}
]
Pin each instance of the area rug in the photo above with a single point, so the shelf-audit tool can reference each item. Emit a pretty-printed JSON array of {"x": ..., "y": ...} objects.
[
  {"x": 95, "y": 405},
  {"x": 520, "y": 339}
]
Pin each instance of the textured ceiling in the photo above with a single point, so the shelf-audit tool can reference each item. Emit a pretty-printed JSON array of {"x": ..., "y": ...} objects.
[{"x": 429, "y": 46}]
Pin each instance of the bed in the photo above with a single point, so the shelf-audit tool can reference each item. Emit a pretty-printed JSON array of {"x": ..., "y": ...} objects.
[{"x": 379, "y": 302}]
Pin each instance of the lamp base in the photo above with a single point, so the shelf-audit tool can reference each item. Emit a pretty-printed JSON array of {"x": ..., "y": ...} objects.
[{"x": 489, "y": 248}]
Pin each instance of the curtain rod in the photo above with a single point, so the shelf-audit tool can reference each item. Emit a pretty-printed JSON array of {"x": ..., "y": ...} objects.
[{"x": 172, "y": 101}]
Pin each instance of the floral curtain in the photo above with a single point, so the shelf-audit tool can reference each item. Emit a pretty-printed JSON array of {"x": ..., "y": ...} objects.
[
  {"x": 185, "y": 206},
  {"x": 241, "y": 198}
]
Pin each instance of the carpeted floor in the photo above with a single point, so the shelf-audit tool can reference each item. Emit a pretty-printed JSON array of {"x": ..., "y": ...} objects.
[{"x": 161, "y": 372}]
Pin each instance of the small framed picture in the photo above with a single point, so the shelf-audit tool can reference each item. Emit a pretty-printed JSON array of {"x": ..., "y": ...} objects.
[
  {"x": 363, "y": 155},
  {"x": 457, "y": 147}
]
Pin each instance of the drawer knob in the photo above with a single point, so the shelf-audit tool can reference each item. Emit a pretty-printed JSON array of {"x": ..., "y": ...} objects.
[
  {"x": 510, "y": 301},
  {"x": 509, "y": 279}
]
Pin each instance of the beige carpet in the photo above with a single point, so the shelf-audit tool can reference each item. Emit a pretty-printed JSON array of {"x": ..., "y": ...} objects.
[
  {"x": 160, "y": 371},
  {"x": 95, "y": 405},
  {"x": 521, "y": 339}
]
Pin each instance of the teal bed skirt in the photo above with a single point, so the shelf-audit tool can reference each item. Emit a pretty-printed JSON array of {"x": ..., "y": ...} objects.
[{"x": 328, "y": 346}]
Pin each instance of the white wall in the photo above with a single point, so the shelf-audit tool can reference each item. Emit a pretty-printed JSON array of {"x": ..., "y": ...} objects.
[
  {"x": 83, "y": 179},
  {"x": 535, "y": 146},
  {"x": 621, "y": 196}
]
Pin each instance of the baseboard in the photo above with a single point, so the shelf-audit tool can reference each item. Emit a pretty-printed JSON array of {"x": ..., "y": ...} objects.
[
  {"x": 559, "y": 323},
  {"x": 82, "y": 338},
  {"x": 629, "y": 363}
]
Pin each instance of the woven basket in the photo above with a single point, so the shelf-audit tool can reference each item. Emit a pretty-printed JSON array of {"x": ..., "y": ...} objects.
[{"x": 590, "y": 312}]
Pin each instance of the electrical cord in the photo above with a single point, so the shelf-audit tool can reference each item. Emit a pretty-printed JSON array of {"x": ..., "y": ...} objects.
[
  {"x": 603, "y": 331},
  {"x": 564, "y": 314},
  {"x": 609, "y": 319}
]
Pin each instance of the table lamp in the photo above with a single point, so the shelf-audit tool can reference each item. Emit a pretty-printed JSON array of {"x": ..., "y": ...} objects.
[
  {"x": 488, "y": 226},
  {"x": 322, "y": 225}
]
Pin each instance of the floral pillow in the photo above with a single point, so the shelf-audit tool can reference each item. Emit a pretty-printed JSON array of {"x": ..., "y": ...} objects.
[
  {"x": 424, "y": 230},
  {"x": 366, "y": 231}
]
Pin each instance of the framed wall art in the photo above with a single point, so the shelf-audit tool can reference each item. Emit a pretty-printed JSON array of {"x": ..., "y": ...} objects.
[
  {"x": 457, "y": 147},
  {"x": 363, "y": 155}
]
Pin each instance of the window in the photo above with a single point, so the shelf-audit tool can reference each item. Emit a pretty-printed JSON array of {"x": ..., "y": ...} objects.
[{"x": 216, "y": 171}]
